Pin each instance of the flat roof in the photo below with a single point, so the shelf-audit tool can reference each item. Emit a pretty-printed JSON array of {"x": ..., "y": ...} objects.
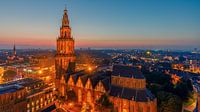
[{"x": 13, "y": 86}]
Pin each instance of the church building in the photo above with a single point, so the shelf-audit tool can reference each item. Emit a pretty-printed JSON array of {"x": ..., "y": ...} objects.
[
  {"x": 125, "y": 86},
  {"x": 65, "y": 54}
]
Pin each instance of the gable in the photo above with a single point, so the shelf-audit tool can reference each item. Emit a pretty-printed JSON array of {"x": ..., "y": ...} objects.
[
  {"x": 70, "y": 81},
  {"x": 79, "y": 83},
  {"x": 88, "y": 84},
  {"x": 100, "y": 87}
]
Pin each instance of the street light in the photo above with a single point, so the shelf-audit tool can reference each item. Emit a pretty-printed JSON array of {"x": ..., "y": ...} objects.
[
  {"x": 90, "y": 69},
  {"x": 40, "y": 71}
]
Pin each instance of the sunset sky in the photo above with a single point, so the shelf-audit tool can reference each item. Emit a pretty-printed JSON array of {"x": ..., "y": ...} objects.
[{"x": 173, "y": 24}]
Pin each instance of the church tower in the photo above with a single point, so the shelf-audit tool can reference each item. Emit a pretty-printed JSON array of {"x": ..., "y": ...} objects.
[
  {"x": 65, "y": 54},
  {"x": 14, "y": 51}
]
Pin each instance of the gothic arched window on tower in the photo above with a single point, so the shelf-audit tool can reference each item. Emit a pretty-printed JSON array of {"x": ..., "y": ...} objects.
[{"x": 65, "y": 34}]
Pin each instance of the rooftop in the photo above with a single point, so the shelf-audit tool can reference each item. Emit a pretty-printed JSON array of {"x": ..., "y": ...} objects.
[
  {"x": 127, "y": 71},
  {"x": 140, "y": 95},
  {"x": 13, "y": 86}
]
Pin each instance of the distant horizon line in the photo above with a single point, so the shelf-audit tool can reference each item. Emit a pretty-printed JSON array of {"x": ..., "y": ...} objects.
[
  {"x": 145, "y": 47},
  {"x": 95, "y": 48}
]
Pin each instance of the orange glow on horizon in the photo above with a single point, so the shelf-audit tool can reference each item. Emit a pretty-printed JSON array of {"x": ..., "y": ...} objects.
[{"x": 51, "y": 42}]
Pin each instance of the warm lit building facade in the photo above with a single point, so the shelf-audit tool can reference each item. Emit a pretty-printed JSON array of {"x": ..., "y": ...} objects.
[
  {"x": 26, "y": 95},
  {"x": 11, "y": 98},
  {"x": 88, "y": 87},
  {"x": 65, "y": 54},
  {"x": 128, "y": 91},
  {"x": 40, "y": 100},
  {"x": 126, "y": 88}
]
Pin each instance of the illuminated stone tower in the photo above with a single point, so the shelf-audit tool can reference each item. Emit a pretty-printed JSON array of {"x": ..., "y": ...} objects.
[{"x": 65, "y": 54}]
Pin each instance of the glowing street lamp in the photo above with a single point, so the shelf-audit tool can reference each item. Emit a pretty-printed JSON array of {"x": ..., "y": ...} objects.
[
  {"x": 90, "y": 69},
  {"x": 40, "y": 71}
]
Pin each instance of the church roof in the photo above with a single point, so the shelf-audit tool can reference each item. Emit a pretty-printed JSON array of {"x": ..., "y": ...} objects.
[
  {"x": 127, "y": 71},
  {"x": 95, "y": 78},
  {"x": 106, "y": 82},
  {"x": 140, "y": 95}
]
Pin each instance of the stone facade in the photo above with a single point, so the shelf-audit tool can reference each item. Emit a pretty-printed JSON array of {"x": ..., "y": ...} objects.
[
  {"x": 26, "y": 95},
  {"x": 11, "y": 98},
  {"x": 40, "y": 100},
  {"x": 65, "y": 54}
]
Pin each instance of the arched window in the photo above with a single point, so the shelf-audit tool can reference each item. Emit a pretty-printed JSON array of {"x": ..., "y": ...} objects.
[
  {"x": 79, "y": 95},
  {"x": 89, "y": 99}
]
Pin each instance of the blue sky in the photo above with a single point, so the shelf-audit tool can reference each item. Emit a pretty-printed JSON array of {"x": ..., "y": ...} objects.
[{"x": 102, "y": 23}]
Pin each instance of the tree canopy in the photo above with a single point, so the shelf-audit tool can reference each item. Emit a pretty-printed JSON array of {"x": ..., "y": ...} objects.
[
  {"x": 9, "y": 75},
  {"x": 167, "y": 102}
]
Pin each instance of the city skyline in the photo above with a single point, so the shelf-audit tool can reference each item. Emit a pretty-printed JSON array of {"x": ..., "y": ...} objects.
[{"x": 102, "y": 24}]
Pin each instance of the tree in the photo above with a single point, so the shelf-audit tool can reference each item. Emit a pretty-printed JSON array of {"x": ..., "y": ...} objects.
[
  {"x": 9, "y": 75},
  {"x": 167, "y": 102},
  {"x": 104, "y": 102},
  {"x": 71, "y": 95}
]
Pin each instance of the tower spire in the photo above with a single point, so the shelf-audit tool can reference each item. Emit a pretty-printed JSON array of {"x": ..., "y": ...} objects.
[
  {"x": 65, "y": 20},
  {"x": 14, "y": 50}
]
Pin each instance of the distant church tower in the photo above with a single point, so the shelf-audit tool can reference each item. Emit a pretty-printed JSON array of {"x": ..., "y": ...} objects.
[
  {"x": 65, "y": 54},
  {"x": 14, "y": 51}
]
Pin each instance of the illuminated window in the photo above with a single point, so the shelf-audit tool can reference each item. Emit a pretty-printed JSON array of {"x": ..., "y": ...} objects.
[
  {"x": 33, "y": 109},
  {"x": 41, "y": 100},
  {"x": 32, "y": 103},
  {"x": 45, "y": 103},
  {"x": 89, "y": 99},
  {"x": 19, "y": 96},
  {"x": 28, "y": 105},
  {"x": 37, "y": 101},
  {"x": 79, "y": 95}
]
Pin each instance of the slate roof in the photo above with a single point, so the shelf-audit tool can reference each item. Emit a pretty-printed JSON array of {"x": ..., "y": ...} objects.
[
  {"x": 127, "y": 71},
  {"x": 74, "y": 75},
  {"x": 95, "y": 78},
  {"x": 106, "y": 82},
  {"x": 140, "y": 95},
  {"x": 10, "y": 88}
]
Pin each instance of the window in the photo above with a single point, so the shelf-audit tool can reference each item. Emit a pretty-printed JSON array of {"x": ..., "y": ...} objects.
[
  {"x": 89, "y": 99},
  {"x": 148, "y": 109},
  {"x": 79, "y": 95},
  {"x": 37, "y": 101},
  {"x": 41, "y": 100},
  {"x": 32, "y": 103},
  {"x": 140, "y": 109},
  {"x": 33, "y": 109},
  {"x": 28, "y": 105}
]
